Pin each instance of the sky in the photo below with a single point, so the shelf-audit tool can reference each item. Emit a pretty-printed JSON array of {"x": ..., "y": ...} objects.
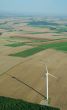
[{"x": 40, "y": 7}]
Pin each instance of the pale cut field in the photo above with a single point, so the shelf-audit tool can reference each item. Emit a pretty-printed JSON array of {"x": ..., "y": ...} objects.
[
  {"x": 6, "y": 50},
  {"x": 7, "y": 62},
  {"x": 32, "y": 29},
  {"x": 30, "y": 71},
  {"x": 3, "y": 42},
  {"x": 35, "y": 36}
]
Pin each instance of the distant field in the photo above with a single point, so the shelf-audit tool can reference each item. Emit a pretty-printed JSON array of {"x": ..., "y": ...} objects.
[
  {"x": 42, "y": 23},
  {"x": 60, "y": 46}
]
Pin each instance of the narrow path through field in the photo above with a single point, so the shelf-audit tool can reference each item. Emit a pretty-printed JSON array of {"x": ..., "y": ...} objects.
[{"x": 27, "y": 85}]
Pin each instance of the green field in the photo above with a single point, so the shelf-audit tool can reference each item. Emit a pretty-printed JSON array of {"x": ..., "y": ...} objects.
[
  {"x": 62, "y": 46},
  {"x": 34, "y": 40},
  {"x": 38, "y": 32},
  {"x": 16, "y": 44},
  {"x": 15, "y": 104}
]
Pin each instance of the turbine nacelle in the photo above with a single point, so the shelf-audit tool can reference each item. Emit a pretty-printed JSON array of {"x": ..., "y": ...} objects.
[{"x": 47, "y": 73}]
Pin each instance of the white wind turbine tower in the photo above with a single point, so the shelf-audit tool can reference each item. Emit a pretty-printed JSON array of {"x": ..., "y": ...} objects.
[
  {"x": 43, "y": 102},
  {"x": 47, "y": 92}
]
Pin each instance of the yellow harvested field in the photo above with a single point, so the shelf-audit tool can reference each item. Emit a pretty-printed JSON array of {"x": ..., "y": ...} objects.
[
  {"x": 2, "y": 41},
  {"x": 7, "y": 62},
  {"x": 30, "y": 72},
  {"x": 35, "y": 36},
  {"x": 33, "y": 29}
]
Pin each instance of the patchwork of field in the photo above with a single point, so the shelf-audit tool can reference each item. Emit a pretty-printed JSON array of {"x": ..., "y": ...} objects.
[{"x": 26, "y": 44}]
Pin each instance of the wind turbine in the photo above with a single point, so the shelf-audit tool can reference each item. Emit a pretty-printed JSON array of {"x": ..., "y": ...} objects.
[{"x": 47, "y": 92}]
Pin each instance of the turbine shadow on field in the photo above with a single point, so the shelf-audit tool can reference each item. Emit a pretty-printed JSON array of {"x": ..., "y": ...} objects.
[{"x": 22, "y": 82}]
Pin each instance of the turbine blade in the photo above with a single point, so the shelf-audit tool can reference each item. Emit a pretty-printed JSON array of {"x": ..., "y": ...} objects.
[
  {"x": 52, "y": 75},
  {"x": 46, "y": 68},
  {"x": 43, "y": 75}
]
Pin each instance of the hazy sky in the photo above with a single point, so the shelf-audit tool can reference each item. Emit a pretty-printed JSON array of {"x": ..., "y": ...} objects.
[{"x": 46, "y": 7}]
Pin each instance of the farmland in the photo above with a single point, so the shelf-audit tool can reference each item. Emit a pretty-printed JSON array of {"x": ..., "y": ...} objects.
[
  {"x": 26, "y": 44},
  {"x": 60, "y": 46}
]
